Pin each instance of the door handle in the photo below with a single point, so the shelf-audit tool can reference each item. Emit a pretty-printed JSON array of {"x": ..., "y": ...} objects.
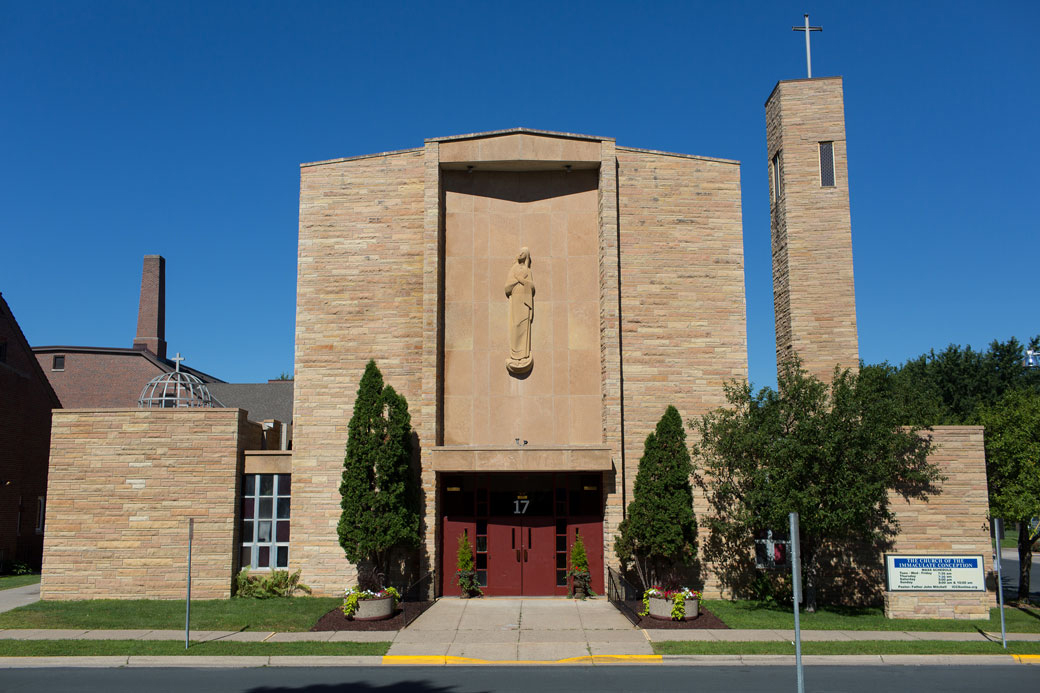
[
  {"x": 518, "y": 555},
  {"x": 525, "y": 555}
]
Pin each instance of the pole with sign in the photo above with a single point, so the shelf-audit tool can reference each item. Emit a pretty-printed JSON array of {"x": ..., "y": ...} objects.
[
  {"x": 796, "y": 583},
  {"x": 998, "y": 534},
  {"x": 187, "y": 612}
]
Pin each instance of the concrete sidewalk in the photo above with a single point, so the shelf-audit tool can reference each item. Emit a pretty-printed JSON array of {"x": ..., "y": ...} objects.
[
  {"x": 508, "y": 631},
  {"x": 19, "y": 596}
]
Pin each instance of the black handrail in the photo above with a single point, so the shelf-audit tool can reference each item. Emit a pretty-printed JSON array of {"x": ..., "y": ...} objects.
[{"x": 620, "y": 592}]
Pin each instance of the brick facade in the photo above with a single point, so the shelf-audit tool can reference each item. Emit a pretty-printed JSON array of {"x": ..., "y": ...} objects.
[
  {"x": 122, "y": 485},
  {"x": 91, "y": 378},
  {"x": 26, "y": 400}
]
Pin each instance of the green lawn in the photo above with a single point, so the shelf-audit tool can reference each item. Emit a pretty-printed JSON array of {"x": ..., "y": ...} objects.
[
  {"x": 72, "y": 648},
  {"x": 871, "y": 647},
  {"x": 9, "y": 581},
  {"x": 289, "y": 614},
  {"x": 747, "y": 614}
]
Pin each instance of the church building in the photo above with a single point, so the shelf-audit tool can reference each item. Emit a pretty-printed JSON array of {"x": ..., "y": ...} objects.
[{"x": 539, "y": 298}]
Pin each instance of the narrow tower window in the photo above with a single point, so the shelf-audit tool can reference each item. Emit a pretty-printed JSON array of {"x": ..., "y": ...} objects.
[
  {"x": 778, "y": 176},
  {"x": 827, "y": 164}
]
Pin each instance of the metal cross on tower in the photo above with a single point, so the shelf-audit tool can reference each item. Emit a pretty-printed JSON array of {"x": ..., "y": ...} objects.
[
  {"x": 178, "y": 358},
  {"x": 807, "y": 29}
]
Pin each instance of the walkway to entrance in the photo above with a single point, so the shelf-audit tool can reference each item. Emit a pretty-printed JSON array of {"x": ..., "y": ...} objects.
[{"x": 520, "y": 629}]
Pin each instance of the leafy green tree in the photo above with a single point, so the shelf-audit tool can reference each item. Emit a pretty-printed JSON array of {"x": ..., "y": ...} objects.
[
  {"x": 831, "y": 454},
  {"x": 659, "y": 535},
  {"x": 952, "y": 386},
  {"x": 379, "y": 495},
  {"x": 1013, "y": 466}
]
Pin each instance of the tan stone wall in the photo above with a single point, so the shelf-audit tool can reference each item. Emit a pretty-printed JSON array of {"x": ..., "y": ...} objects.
[
  {"x": 489, "y": 216},
  {"x": 683, "y": 327},
  {"x": 360, "y": 295},
  {"x": 813, "y": 292},
  {"x": 951, "y": 522},
  {"x": 122, "y": 485}
]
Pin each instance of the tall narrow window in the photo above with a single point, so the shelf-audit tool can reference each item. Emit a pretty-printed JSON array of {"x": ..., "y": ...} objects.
[
  {"x": 41, "y": 513},
  {"x": 827, "y": 164},
  {"x": 778, "y": 176},
  {"x": 265, "y": 521}
]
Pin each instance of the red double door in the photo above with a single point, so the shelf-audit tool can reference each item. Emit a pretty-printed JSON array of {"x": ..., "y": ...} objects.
[{"x": 521, "y": 556}]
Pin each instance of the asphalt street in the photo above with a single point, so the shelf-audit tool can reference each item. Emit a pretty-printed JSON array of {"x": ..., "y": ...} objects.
[
  {"x": 1009, "y": 571},
  {"x": 514, "y": 679}
]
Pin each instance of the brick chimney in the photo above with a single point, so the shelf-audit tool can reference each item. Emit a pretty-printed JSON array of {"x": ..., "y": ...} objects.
[{"x": 151, "y": 315}]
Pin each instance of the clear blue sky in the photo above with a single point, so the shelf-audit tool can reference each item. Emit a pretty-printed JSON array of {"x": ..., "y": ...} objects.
[{"x": 130, "y": 128}]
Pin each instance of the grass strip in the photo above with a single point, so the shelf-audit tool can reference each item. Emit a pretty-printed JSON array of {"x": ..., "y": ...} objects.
[
  {"x": 865, "y": 647},
  {"x": 756, "y": 615},
  {"x": 9, "y": 581},
  {"x": 288, "y": 614},
  {"x": 79, "y": 648}
]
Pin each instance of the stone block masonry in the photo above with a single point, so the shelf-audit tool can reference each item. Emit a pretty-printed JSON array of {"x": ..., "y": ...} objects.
[
  {"x": 122, "y": 485},
  {"x": 813, "y": 293},
  {"x": 682, "y": 312},
  {"x": 360, "y": 296},
  {"x": 950, "y": 522}
]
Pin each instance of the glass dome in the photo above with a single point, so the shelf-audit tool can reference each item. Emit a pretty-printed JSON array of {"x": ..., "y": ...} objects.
[{"x": 176, "y": 389}]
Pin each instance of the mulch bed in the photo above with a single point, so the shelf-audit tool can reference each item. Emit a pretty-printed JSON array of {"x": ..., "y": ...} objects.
[
  {"x": 704, "y": 620},
  {"x": 406, "y": 613}
]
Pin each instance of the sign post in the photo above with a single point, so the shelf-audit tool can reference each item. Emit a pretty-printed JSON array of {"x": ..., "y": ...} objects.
[
  {"x": 796, "y": 583},
  {"x": 187, "y": 612},
  {"x": 998, "y": 533}
]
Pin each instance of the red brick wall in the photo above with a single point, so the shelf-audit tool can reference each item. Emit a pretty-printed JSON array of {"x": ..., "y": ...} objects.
[
  {"x": 98, "y": 380},
  {"x": 25, "y": 424}
]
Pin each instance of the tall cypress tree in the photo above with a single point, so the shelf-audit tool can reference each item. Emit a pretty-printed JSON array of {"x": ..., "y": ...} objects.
[
  {"x": 379, "y": 496},
  {"x": 659, "y": 536}
]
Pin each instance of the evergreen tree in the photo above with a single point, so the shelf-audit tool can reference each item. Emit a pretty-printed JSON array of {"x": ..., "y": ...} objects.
[
  {"x": 379, "y": 495},
  {"x": 659, "y": 535}
]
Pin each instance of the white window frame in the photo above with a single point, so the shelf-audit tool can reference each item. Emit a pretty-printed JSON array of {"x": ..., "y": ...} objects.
[{"x": 251, "y": 528}]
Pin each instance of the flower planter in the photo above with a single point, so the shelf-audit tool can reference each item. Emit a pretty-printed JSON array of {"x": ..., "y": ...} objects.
[
  {"x": 661, "y": 608},
  {"x": 374, "y": 609}
]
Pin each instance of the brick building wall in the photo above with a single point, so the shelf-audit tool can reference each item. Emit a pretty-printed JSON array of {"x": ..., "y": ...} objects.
[
  {"x": 26, "y": 400},
  {"x": 98, "y": 379},
  {"x": 683, "y": 327},
  {"x": 122, "y": 485},
  {"x": 813, "y": 291},
  {"x": 360, "y": 296},
  {"x": 950, "y": 522}
]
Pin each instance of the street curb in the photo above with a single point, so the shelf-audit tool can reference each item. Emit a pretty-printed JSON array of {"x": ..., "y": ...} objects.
[{"x": 252, "y": 661}]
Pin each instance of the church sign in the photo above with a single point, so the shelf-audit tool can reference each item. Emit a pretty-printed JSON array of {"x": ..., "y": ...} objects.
[{"x": 935, "y": 573}]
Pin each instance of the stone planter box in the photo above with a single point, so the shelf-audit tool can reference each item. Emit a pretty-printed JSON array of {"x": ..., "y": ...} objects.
[
  {"x": 374, "y": 609},
  {"x": 661, "y": 608}
]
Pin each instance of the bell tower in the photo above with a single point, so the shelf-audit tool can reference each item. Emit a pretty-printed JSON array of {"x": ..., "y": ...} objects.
[{"x": 813, "y": 292}]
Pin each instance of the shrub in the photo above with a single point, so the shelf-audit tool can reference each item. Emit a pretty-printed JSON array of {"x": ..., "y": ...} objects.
[
  {"x": 277, "y": 583},
  {"x": 465, "y": 572}
]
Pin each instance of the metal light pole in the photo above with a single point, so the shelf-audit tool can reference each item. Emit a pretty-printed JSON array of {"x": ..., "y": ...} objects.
[
  {"x": 187, "y": 610},
  {"x": 796, "y": 583},
  {"x": 998, "y": 532}
]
